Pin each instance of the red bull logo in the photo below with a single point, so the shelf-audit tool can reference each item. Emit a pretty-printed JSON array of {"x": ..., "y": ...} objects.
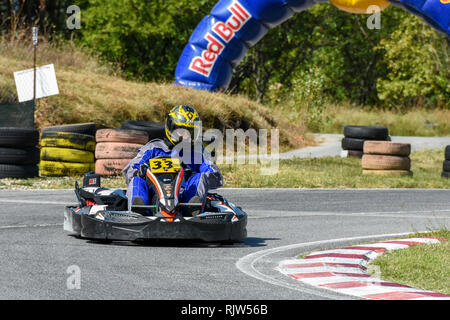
[
  {"x": 445, "y": 1},
  {"x": 225, "y": 31}
]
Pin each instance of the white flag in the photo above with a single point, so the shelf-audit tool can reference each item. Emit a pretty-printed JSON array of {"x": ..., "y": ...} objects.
[{"x": 46, "y": 84}]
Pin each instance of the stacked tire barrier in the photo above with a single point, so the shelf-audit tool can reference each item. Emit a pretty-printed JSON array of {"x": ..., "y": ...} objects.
[
  {"x": 386, "y": 158},
  {"x": 19, "y": 156},
  {"x": 67, "y": 150},
  {"x": 355, "y": 136},
  {"x": 446, "y": 167},
  {"x": 116, "y": 147}
]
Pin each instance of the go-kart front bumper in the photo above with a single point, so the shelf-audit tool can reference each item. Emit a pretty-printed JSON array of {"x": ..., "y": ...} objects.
[{"x": 129, "y": 226}]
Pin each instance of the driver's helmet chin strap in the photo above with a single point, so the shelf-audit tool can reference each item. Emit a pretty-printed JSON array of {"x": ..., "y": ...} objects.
[{"x": 168, "y": 143}]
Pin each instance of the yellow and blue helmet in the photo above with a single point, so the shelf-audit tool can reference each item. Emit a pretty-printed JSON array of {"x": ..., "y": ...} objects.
[{"x": 183, "y": 117}]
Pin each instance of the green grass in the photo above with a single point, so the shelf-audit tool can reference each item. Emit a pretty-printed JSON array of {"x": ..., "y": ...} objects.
[
  {"x": 327, "y": 172},
  {"x": 337, "y": 172},
  {"x": 423, "y": 266},
  {"x": 412, "y": 122},
  {"x": 56, "y": 183}
]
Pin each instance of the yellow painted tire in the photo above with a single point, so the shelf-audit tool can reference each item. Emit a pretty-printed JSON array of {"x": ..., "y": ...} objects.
[
  {"x": 66, "y": 155},
  {"x": 359, "y": 6},
  {"x": 68, "y": 140},
  {"x": 55, "y": 168}
]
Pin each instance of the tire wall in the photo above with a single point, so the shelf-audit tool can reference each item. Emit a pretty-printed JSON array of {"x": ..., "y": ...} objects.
[
  {"x": 19, "y": 155},
  {"x": 356, "y": 136},
  {"x": 386, "y": 158},
  {"x": 116, "y": 148},
  {"x": 222, "y": 39}
]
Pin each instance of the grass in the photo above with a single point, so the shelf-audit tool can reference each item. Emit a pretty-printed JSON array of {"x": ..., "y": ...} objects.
[
  {"x": 423, "y": 266},
  {"x": 91, "y": 92},
  {"x": 413, "y": 122},
  {"x": 56, "y": 183},
  {"x": 327, "y": 172},
  {"x": 337, "y": 172}
]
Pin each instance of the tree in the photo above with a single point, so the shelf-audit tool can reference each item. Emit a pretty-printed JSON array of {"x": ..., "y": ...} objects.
[
  {"x": 143, "y": 38},
  {"x": 18, "y": 15},
  {"x": 418, "y": 60}
]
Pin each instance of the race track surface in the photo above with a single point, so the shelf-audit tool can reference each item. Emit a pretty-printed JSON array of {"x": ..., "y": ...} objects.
[{"x": 36, "y": 253}]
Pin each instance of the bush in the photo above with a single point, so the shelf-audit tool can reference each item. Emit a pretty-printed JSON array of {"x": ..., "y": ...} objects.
[
  {"x": 143, "y": 38},
  {"x": 418, "y": 60}
]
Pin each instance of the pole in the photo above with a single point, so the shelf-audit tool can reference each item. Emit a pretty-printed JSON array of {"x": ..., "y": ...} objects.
[{"x": 35, "y": 43}]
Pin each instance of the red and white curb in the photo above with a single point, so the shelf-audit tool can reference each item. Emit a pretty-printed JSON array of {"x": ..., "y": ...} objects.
[{"x": 345, "y": 271}]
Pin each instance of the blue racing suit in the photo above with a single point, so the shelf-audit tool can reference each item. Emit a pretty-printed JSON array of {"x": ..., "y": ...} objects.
[{"x": 206, "y": 174}]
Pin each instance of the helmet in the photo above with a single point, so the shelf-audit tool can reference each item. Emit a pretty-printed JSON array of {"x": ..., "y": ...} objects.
[{"x": 183, "y": 123}]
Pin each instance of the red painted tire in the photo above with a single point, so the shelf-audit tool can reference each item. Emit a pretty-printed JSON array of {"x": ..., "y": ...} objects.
[
  {"x": 116, "y": 150},
  {"x": 387, "y": 148},
  {"x": 382, "y": 162},
  {"x": 110, "y": 167},
  {"x": 121, "y": 135}
]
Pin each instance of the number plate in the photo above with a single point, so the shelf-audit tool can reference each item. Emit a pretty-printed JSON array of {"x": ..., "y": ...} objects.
[{"x": 165, "y": 165}]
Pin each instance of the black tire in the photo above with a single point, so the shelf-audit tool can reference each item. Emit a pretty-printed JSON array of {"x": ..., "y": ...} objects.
[
  {"x": 18, "y": 171},
  {"x": 446, "y": 166},
  {"x": 353, "y": 144},
  {"x": 155, "y": 130},
  {"x": 445, "y": 174},
  {"x": 366, "y": 132},
  {"x": 18, "y": 137},
  {"x": 83, "y": 128},
  {"x": 19, "y": 156},
  {"x": 447, "y": 153}
]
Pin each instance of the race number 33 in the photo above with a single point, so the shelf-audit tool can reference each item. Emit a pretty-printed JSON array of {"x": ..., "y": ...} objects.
[{"x": 165, "y": 165}]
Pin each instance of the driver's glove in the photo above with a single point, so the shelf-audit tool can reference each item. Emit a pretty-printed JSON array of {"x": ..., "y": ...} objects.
[{"x": 143, "y": 170}]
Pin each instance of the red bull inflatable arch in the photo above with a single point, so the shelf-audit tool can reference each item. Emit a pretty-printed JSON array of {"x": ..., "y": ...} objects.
[{"x": 222, "y": 39}]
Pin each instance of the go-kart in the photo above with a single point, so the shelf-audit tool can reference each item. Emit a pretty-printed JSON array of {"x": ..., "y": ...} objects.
[{"x": 102, "y": 214}]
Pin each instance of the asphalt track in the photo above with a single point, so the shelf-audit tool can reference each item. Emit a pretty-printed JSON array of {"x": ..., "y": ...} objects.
[{"x": 36, "y": 254}]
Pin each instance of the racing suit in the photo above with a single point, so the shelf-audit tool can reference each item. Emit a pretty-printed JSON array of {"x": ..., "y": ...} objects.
[{"x": 206, "y": 174}]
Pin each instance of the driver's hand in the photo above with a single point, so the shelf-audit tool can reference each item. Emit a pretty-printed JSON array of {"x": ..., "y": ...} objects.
[{"x": 143, "y": 170}]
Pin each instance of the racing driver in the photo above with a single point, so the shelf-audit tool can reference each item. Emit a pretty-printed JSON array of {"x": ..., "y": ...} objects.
[{"x": 182, "y": 128}]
